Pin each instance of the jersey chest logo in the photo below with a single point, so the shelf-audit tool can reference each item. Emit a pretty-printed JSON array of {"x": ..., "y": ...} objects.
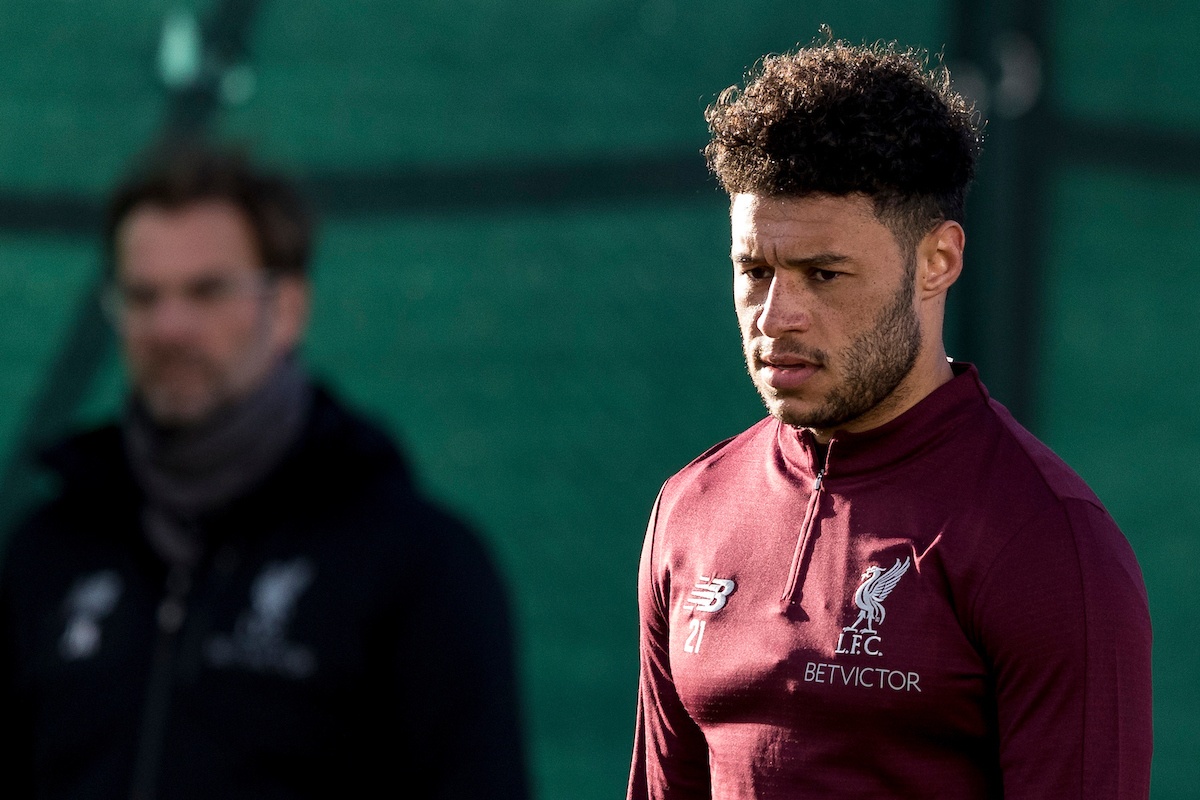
[
  {"x": 91, "y": 599},
  {"x": 709, "y": 595},
  {"x": 259, "y": 641},
  {"x": 862, "y": 635}
]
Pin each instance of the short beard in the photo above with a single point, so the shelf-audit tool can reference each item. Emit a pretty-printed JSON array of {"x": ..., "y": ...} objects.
[
  {"x": 170, "y": 409},
  {"x": 874, "y": 363}
]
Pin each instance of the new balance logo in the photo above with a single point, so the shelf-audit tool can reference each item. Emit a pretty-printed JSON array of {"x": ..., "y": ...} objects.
[{"x": 709, "y": 594}]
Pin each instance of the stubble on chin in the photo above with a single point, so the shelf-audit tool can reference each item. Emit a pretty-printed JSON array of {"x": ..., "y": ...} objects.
[
  {"x": 174, "y": 400},
  {"x": 868, "y": 374},
  {"x": 174, "y": 409}
]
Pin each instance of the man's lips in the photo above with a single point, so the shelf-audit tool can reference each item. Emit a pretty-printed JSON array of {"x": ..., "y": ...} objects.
[
  {"x": 175, "y": 369},
  {"x": 781, "y": 371}
]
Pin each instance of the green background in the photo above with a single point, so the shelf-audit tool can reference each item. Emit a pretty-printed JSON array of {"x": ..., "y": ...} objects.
[{"x": 522, "y": 267}]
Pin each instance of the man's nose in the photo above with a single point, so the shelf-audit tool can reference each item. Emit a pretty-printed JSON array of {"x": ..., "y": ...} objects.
[
  {"x": 787, "y": 307},
  {"x": 170, "y": 316}
]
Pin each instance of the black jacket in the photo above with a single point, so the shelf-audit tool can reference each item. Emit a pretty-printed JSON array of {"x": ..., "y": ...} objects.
[{"x": 342, "y": 637}]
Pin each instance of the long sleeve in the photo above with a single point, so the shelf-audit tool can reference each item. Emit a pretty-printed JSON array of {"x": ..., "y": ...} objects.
[
  {"x": 16, "y": 725},
  {"x": 670, "y": 757},
  {"x": 1064, "y": 620},
  {"x": 458, "y": 668}
]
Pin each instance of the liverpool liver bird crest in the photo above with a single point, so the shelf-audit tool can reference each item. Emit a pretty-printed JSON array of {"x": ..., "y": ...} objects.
[{"x": 871, "y": 593}]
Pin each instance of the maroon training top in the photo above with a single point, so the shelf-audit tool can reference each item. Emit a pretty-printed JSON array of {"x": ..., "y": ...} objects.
[{"x": 943, "y": 609}]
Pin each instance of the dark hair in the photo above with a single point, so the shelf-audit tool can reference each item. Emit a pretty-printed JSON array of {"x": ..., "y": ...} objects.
[
  {"x": 835, "y": 118},
  {"x": 279, "y": 216}
]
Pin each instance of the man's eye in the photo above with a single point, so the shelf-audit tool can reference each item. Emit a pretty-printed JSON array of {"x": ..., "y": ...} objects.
[
  {"x": 824, "y": 275},
  {"x": 758, "y": 273},
  {"x": 138, "y": 297},
  {"x": 210, "y": 291}
]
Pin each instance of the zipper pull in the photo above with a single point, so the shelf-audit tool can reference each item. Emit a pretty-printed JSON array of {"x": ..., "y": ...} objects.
[
  {"x": 172, "y": 609},
  {"x": 824, "y": 465}
]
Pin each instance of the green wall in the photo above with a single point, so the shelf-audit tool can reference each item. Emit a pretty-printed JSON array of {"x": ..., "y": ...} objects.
[
  {"x": 551, "y": 348},
  {"x": 1122, "y": 375}
]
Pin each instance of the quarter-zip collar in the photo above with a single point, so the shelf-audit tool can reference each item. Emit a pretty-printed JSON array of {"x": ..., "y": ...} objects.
[{"x": 855, "y": 455}]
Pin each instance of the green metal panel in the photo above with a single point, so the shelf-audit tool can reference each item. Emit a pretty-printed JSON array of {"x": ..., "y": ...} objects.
[
  {"x": 548, "y": 371},
  {"x": 1131, "y": 63},
  {"x": 549, "y": 363},
  {"x": 40, "y": 277},
  {"x": 1121, "y": 372},
  {"x": 80, "y": 92},
  {"x": 375, "y": 83}
]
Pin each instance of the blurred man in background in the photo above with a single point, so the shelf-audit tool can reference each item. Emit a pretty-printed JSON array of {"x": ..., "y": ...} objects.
[
  {"x": 239, "y": 590},
  {"x": 887, "y": 587}
]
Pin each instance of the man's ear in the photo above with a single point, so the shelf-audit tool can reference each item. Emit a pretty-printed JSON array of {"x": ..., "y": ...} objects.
[
  {"x": 292, "y": 302},
  {"x": 940, "y": 259}
]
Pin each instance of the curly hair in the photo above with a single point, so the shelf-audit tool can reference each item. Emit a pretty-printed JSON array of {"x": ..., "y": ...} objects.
[
  {"x": 174, "y": 179},
  {"x": 835, "y": 118}
]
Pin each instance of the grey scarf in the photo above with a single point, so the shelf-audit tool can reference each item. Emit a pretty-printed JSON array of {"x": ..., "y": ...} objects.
[{"x": 191, "y": 471}]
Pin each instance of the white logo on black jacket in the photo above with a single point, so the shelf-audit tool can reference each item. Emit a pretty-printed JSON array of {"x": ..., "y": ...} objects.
[
  {"x": 259, "y": 640},
  {"x": 91, "y": 599}
]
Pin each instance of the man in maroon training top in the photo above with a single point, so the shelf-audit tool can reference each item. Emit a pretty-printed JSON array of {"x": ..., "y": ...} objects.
[{"x": 887, "y": 588}]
